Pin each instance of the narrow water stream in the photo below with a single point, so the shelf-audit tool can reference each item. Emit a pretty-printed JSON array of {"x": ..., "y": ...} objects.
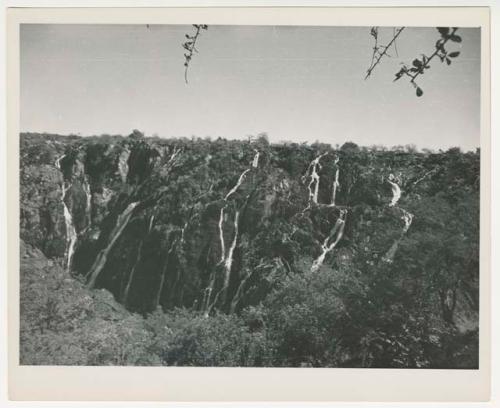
[{"x": 71, "y": 235}]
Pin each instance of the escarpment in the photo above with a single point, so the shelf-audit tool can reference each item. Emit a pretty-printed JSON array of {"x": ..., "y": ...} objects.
[{"x": 217, "y": 225}]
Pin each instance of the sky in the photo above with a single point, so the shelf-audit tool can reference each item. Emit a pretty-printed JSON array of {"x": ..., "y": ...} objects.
[{"x": 293, "y": 83}]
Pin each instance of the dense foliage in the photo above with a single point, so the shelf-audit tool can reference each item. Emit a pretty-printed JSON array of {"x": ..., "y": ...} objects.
[{"x": 245, "y": 253}]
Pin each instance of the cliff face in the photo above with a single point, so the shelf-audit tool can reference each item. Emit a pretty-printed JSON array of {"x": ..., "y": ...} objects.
[{"x": 219, "y": 225}]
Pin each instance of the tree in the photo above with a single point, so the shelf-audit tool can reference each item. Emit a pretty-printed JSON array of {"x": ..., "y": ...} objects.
[
  {"x": 350, "y": 147},
  {"x": 136, "y": 135}
]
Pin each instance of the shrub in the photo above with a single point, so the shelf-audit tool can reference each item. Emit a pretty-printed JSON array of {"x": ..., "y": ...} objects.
[
  {"x": 302, "y": 319},
  {"x": 184, "y": 337}
]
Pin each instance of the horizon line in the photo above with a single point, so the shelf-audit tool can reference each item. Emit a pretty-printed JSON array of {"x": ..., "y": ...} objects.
[{"x": 374, "y": 146}]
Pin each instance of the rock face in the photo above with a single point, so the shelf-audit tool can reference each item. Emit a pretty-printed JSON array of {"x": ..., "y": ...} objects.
[
  {"x": 42, "y": 219},
  {"x": 156, "y": 219}
]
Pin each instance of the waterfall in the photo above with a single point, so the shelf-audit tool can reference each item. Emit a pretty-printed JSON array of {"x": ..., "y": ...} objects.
[
  {"x": 336, "y": 234},
  {"x": 71, "y": 235},
  {"x": 183, "y": 233},
  {"x": 123, "y": 164},
  {"x": 241, "y": 178},
  {"x": 237, "y": 185},
  {"x": 255, "y": 162},
  {"x": 396, "y": 191},
  {"x": 206, "y": 306},
  {"x": 227, "y": 260},
  {"x": 102, "y": 257},
  {"x": 315, "y": 178},
  {"x": 391, "y": 253},
  {"x": 406, "y": 217},
  {"x": 336, "y": 183},
  {"x": 88, "y": 196},
  {"x": 58, "y": 161},
  {"x": 221, "y": 235}
]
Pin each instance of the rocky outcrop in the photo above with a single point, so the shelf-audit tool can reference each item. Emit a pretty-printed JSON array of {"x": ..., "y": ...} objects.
[{"x": 42, "y": 220}]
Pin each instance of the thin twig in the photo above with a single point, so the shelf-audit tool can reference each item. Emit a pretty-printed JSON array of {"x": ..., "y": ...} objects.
[
  {"x": 395, "y": 43},
  {"x": 374, "y": 33},
  {"x": 190, "y": 46},
  {"x": 383, "y": 53}
]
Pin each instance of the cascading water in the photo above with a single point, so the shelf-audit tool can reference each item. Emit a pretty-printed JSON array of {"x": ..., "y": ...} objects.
[
  {"x": 255, "y": 162},
  {"x": 336, "y": 183},
  {"x": 396, "y": 191},
  {"x": 88, "y": 201},
  {"x": 391, "y": 253},
  {"x": 221, "y": 217},
  {"x": 71, "y": 235},
  {"x": 314, "y": 165},
  {"x": 336, "y": 234},
  {"x": 123, "y": 165},
  {"x": 406, "y": 217},
  {"x": 315, "y": 177},
  {"x": 238, "y": 184},
  {"x": 241, "y": 178},
  {"x": 227, "y": 260},
  {"x": 151, "y": 220},
  {"x": 221, "y": 236},
  {"x": 102, "y": 257}
]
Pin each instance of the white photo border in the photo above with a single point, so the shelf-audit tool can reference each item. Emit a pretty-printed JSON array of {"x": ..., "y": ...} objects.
[{"x": 244, "y": 384}]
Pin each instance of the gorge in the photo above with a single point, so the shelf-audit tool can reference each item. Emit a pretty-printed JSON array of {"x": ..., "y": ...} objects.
[{"x": 372, "y": 254}]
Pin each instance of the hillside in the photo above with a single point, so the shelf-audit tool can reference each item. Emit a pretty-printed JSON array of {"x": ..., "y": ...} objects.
[{"x": 199, "y": 252}]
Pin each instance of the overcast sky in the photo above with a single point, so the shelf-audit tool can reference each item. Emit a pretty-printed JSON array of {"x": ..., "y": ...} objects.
[{"x": 294, "y": 83}]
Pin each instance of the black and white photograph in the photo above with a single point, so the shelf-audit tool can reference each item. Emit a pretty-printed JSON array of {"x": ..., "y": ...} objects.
[{"x": 207, "y": 195}]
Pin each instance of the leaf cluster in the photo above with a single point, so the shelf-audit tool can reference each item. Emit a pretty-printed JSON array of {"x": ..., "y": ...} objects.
[{"x": 421, "y": 64}]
